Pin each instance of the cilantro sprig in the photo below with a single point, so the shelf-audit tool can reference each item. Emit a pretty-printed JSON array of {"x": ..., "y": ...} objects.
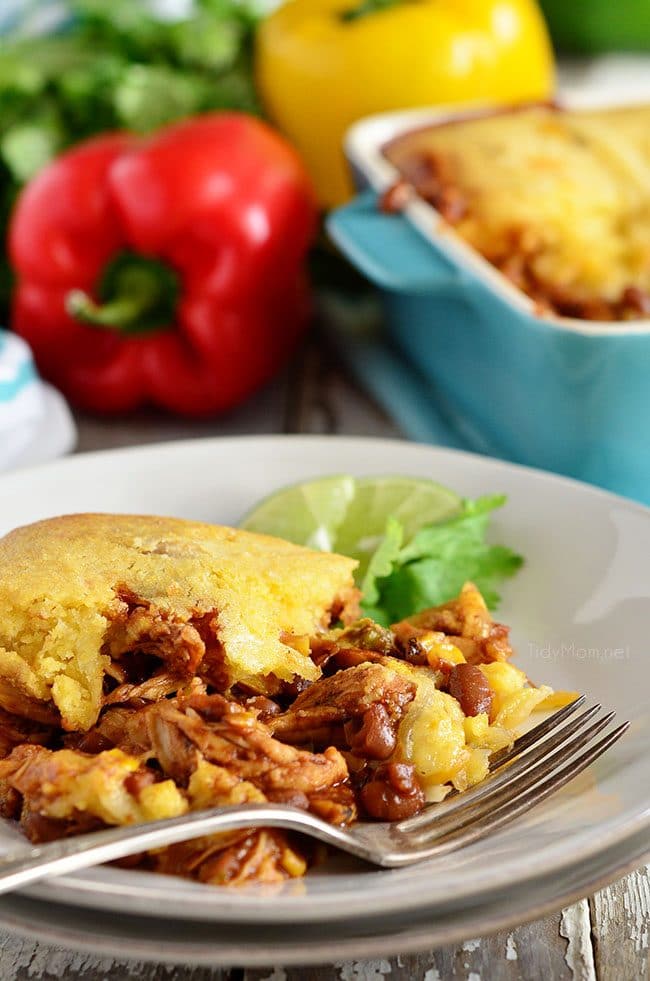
[{"x": 403, "y": 578}]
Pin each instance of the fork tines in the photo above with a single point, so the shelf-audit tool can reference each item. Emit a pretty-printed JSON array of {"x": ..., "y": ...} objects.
[{"x": 538, "y": 764}]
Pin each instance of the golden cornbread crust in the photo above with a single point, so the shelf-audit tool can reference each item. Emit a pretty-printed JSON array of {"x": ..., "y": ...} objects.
[
  {"x": 80, "y": 591},
  {"x": 558, "y": 200}
]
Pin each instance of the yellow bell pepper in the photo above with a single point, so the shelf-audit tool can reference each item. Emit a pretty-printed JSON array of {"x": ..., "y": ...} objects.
[{"x": 322, "y": 64}]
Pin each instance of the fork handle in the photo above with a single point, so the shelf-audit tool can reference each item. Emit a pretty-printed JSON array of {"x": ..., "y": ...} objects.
[{"x": 23, "y": 866}]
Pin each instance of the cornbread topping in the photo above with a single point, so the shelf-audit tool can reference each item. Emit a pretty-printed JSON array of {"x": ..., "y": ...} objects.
[{"x": 558, "y": 201}]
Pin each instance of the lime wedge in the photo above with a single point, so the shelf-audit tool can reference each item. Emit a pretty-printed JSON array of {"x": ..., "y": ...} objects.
[
  {"x": 412, "y": 501},
  {"x": 348, "y": 515},
  {"x": 306, "y": 514}
]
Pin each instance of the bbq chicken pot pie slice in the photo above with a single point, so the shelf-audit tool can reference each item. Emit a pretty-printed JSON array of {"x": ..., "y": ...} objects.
[{"x": 81, "y": 593}]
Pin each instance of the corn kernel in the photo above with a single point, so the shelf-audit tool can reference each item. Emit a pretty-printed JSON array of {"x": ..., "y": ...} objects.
[
  {"x": 293, "y": 864},
  {"x": 297, "y": 642},
  {"x": 504, "y": 679},
  {"x": 477, "y": 766},
  {"x": 476, "y": 728},
  {"x": 557, "y": 700},
  {"x": 443, "y": 650}
]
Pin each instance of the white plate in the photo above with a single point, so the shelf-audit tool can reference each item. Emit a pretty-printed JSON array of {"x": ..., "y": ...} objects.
[
  {"x": 580, "y": 611},
  {"x": 215, "y": 945}
]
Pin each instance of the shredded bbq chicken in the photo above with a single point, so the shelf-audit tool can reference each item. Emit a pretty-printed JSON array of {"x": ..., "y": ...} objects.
[
  {"x": 265, "y": 855},
  {"x": 226, "y": 735},
  {"x": 466, "y": 621},
  {"x": 119, "y": 727},
  {"x": 347, "y": 606},
  {"x": 152, "y": 690},
  {"x": 170, "y": 738},
  {"x": 364, "y": 703},
  {"x": 212, "y": 752},
  {"x": 15, "y": 731},
  {"x": 141, "y": 626}
]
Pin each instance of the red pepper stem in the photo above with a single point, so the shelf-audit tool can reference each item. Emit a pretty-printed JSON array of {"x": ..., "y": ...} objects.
[
  {"x": 137, "y": 295},
  {"x": 116, "y": 315}
]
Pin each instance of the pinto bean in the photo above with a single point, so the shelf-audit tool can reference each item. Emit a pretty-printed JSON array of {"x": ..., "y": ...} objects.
[
  {"x": 393, "y": 793},
  {"x": 470, "y": 688},
  {"x": 265, "y": 707},
  {"x": 373, "y": 736}
]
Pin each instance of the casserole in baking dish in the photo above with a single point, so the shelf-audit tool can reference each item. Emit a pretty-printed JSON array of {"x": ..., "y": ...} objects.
[
  {"x": 558, "y": 200},
  {"x": 507, "y": 373}
]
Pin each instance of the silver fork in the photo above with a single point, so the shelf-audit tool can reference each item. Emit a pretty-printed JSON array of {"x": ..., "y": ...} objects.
[{"x": 538, "y": 764}]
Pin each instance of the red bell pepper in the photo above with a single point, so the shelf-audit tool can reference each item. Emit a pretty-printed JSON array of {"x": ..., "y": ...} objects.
[{"x": 169, "y": 271}]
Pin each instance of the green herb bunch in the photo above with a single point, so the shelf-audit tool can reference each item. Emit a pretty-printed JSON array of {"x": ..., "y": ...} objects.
[{"x": 114, "y": 65}]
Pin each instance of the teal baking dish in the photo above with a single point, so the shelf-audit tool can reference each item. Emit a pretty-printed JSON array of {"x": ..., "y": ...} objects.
[{"x": 567, "y": 395}]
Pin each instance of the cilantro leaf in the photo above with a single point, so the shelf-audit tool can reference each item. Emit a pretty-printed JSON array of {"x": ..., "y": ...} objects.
[
  {"x": 455, "y": 535},
  {"x": 115, "y": 65},
  {"x": 382, "y": 561},
  {"x": 432, "y": 567}
]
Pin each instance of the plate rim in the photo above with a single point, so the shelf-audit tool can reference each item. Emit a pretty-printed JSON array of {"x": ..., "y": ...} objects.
[
  {"x": 382, "y": 944},
  {"x": 172, "y": 446}
]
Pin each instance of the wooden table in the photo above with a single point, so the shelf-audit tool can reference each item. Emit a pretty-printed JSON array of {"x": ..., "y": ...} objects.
[{"x": 605, "y": 937}]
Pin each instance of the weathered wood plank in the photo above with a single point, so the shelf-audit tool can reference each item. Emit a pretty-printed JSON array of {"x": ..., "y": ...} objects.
[
  {"x": 264, "y": 413},
  {"x": 575, "y": 927},
  {"x": 621, "y": 928},
  {"x": 527, "y": 953},
  {"x": 24, "y": 960},
  {"x": 322, "y": 399}
]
